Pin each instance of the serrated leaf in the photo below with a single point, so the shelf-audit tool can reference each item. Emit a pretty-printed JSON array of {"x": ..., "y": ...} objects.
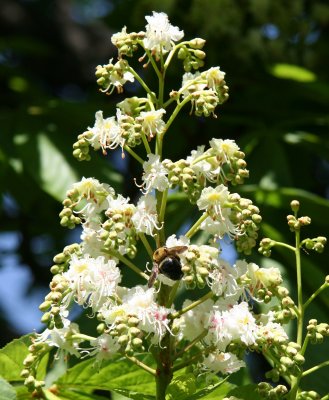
[
  {"x": 113, "y": 375},
  {"x": 6, "y": 390}
]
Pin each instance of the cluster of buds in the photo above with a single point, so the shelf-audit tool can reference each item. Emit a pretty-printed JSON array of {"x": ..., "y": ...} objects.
[
  {"x": 127, "y": 334},
  {"x": 127, "y": 43},
  {"x": 111, "y": 76},
  {"x": 182, "y": 175},
  {"x": 287, "y": 310},
  {"x": 290, "y": 361},
  {"x": 295, "y": 224},
  {"x": 192, "y": 54},
  {"x": 316, "y": 332},
  {"x": 82, "y": 146},
  {"x": 265, "y": 246},
  {"x": 245, "y": 216},
  {"x": 267, "y": 391},
  {"x": 317, "y": 244},
  {"x": 53, "y": 302},
  {"x": 197, "y": 263},
  {"x": 308, "y": 395},
  {"x": 31, "y": 363},
  {"x": 118, "y": 231}
]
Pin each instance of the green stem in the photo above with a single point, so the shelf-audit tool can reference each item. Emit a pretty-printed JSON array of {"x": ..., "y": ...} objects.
[
  {"x": 300, "y": 319},
  {"x": 146, "y": 244},
  {"x": 154, "y": 65},
  {"x": 83, "y": 337},
  {"x": 191, "y": 344},
  {"x": 160, "y": 205},
  {"x": 146, "y": 143},
  {"x": 143, "y": 84},
  {"x": 133, "y": 154},
  {"x": 142, "y": 365},
  {"x": 315, "y": 294},
  {"x": 163, "y": 206},
  {"x": 172, "y": 294},
  {"x": 129, "y": 264},
  {"x": 179, "y": 106},
  {"x": 316, "y": 368},
  {"x": 184, "y": 310},
  {"x": 192, "y": 231},
  {"x": 287, "y": 246}
]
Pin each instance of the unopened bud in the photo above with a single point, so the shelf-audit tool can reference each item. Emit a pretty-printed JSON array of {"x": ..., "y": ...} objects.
[{"x": 294, "y": 205}]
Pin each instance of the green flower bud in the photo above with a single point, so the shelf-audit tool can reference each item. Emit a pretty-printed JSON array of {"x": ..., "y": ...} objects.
[{"x": 44, "y": 306}]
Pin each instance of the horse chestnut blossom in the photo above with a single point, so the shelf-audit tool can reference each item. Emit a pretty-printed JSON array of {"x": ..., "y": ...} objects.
[{"x": 132, "y": 259}]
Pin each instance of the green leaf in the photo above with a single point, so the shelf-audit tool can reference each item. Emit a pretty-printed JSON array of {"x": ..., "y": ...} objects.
[
  {"x": 118, "y": 375},
  {"x": 294, "y": 72},
  {"x": 215, "y": 391},
  {"x": 133, "y": 395},
  {"x": 247, "y": 392},
  {"x": 181, "y": 387},
  {"x": 11, "y": 358},
  {"x": 46, "y": 164},
  {"x": 6, "y": 390}
]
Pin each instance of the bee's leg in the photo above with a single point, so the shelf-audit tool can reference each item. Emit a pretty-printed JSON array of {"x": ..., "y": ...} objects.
[{"x": 153, "y": 276}]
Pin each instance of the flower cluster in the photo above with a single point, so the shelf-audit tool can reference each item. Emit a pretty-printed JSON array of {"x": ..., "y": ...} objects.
[{"x": 221, "y": 325}]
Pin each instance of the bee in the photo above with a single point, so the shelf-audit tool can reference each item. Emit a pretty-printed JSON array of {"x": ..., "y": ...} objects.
[{"x": 167, "y": 263}]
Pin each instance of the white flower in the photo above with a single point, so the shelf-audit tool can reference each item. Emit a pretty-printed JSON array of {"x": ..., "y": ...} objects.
[
  {"x": 192, "y": 83},
  {"x": 120, "y": 76},
  {"x": 264, "y": 277},
  {"x": 214, "y": 200},
  {"x": 272, "y": 332},
  {"x": 224, "y": 150},
  {"x": 106, "y": 133},
  {"x": 57, "y": 337},
  {"x": 145, "y": 218},
  {"x": 152, "y": 122},
  {"x": 214, "y": 77},
  {"x": 140, "y": 302},
  {"x": 173, "y": 241},
  {"x": 90, "y": 242},
  {"x": 225, "y": 363},
  {"x": 119, "y": 36},
  {"x": 222, "y": 280},
  {"x": 105, "y": 347},
  {"x": 155, "y": 175},
  {"x": 160, "y": 33},
  {"x": 235, "y": 324},
  {"x": 92, "y": 280},
  {"x": 94, "y": 194},
  {"x": 195, "y": 321}
]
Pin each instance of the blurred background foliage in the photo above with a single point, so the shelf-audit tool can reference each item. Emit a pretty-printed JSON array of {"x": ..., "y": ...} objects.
[{"x": 276, "y": 59}]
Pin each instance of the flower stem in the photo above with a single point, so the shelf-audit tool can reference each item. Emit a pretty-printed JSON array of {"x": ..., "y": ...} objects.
[
  {"x": 129, "y": 264},
  {"x": 142, "y": 365},
  {"x": 146, "y": 244},
  {"x": 315, "y": 294},
  {"x": 191, "y": 344},
  {"x": 300, "y": 319},
  {"x": 143, "y": 84},
  {"x": 192, "y": 231},
  {"x": 192, "y": 305},
  {"x": 133, "y": 154},
  {"x": 316, "y": 368},
  {"x": 179, "y": 106}
]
